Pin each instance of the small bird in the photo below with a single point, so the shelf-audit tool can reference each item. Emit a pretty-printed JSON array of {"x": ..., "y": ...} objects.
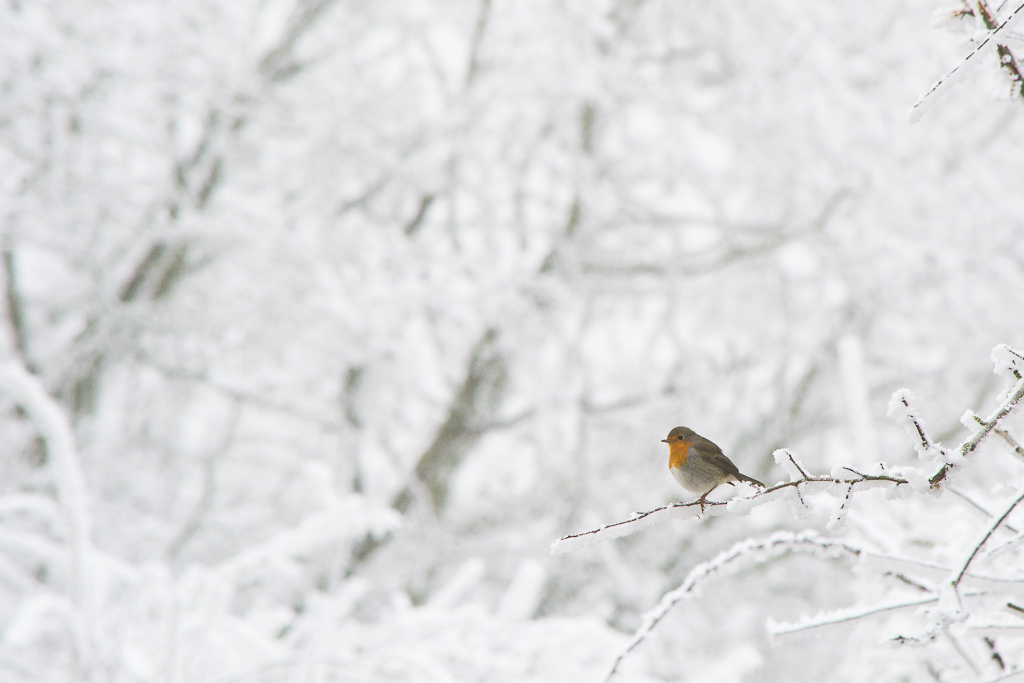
[{"x": 699, "y": 464}]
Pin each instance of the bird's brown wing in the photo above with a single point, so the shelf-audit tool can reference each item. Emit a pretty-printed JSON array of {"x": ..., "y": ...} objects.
[{"x": 713, "y": 454}]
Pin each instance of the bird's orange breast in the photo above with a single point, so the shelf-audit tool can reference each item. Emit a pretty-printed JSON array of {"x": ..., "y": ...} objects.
[{"x": 677, "y": 455}]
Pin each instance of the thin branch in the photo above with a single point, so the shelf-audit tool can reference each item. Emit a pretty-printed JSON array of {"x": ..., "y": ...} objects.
[
  {"x": 909, "y": 414},
  {"x": 279, "y": 62},
  {"x": 988, "y": 533},
  {"x": 762, "y": 549},
  {"x": 801, "y": 469},
  {"x": 209, "y": 486},
  {"x": 975, "y": 504},
  {"x": 917, "y": 109},
  {"x": 478, "y": 37},
  {"x": 996, "y": 657},
  {"x": 1005, "y": 677},
  {"x": 1008, "y": 438},
  {"x": 15, "y": 306},
  {"x": 619, "y": 528},
  {"x": 1006, "y": 59},
  {"x": 840, "y": 616},
  {"x": 421, "y": 213},
  {"x": 1003, "y": 546},
  {"x": 972, "y": 442},
  {"x": 257, "y": 400},
  {"x": 55, "y": 429},
  {"x": 960, "y": 651}
]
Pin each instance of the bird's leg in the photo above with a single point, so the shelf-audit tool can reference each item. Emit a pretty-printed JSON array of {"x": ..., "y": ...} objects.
[{"x": 703, "y": 499}]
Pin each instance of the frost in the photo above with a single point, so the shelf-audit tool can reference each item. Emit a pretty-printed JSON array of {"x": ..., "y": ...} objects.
[
  {"x": 902, "y": 411},
  {"x": 950, "y": 605},
  {"x": 841, "y": 508},
  {"x": 1008, "y": 364},
  {"x": 798, "y": 504},
  {"x": 841, "y": 617},
  {"x": 899, "y": 405},
  {"x": 306, "y": 351},
  {"x": 742, "y": 505},
  {"x": 794, "y": 468},
  {"x": 971, "y": 421},
  {"x": 917, "y": 479},
  {"x": 987, "y": 42}
]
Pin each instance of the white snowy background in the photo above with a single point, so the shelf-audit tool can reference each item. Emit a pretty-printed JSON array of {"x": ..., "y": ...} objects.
[{"x": 323, "y": 319}]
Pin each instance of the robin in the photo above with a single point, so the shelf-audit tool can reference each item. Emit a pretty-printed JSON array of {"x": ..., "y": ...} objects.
[{"x": 699, "y": 464}]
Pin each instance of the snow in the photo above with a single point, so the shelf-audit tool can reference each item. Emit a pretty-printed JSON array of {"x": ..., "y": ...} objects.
[
  {"x": 256, "y": 425},
  {"x": 793, "y": 467},
  {"x": 1009, "y": 364}
]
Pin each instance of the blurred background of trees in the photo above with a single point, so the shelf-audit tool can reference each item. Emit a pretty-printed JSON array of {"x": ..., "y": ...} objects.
[{"x": 352, "y": 308}]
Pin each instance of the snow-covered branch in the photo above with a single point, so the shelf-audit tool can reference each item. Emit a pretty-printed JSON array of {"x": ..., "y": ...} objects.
[
  {"x": 740, "y": 504},
  {"x": 988, "y": 425},
  {"x": 55, "y": 430},
  {"x": 989, "y": 43},
  {"x": 777, "y": 629},
  {"x": 753, "y": 550},
  {"x": 985, "y": 535}
]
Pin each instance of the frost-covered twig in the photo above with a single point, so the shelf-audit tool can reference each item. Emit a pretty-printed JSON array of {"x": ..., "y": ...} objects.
[
  {"x": 975, "y": 504},
  {"x": 759, "y": 550},
  {"x": 675, "y": 510},
  {"x": 638, "y": 521},
  {"x": 1006, "y": 59},
  {"x": 917, "y": 111},
  {"x": 989, "y": 530},
  {"x": 988, "y": 425},
  {"x": 1005, "y": 677},
  {"x": 901, "y": 410},
  {"x": 843, "y": 615},
  {"x": 1008, "y": 438},
  {"x": 1004, "y": 434}
]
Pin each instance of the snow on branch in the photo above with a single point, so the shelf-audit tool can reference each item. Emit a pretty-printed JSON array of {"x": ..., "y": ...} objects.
[
  {"x": 778, "y": 629},
  {"x": 794, "y": 468},
  {"x": 902, "y": 410},
  {"x": 955, "y": 75},
  {"x": 958, "y": 576},
  {"x": 992, "y": 422},
  {"x": 1009, "y": 364},
  {"x": 638, "y": 522},
  {"x": 756, "y": 551},
  {"x": 739, "y": 504},
  {"x": 55, "y": 429}
]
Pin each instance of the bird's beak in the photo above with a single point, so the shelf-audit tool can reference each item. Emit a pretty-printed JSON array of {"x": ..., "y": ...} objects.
[{"x": 664, "y": 440}]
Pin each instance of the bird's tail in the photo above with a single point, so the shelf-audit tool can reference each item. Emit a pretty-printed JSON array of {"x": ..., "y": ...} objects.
[{"x": 743, "y": 477}]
